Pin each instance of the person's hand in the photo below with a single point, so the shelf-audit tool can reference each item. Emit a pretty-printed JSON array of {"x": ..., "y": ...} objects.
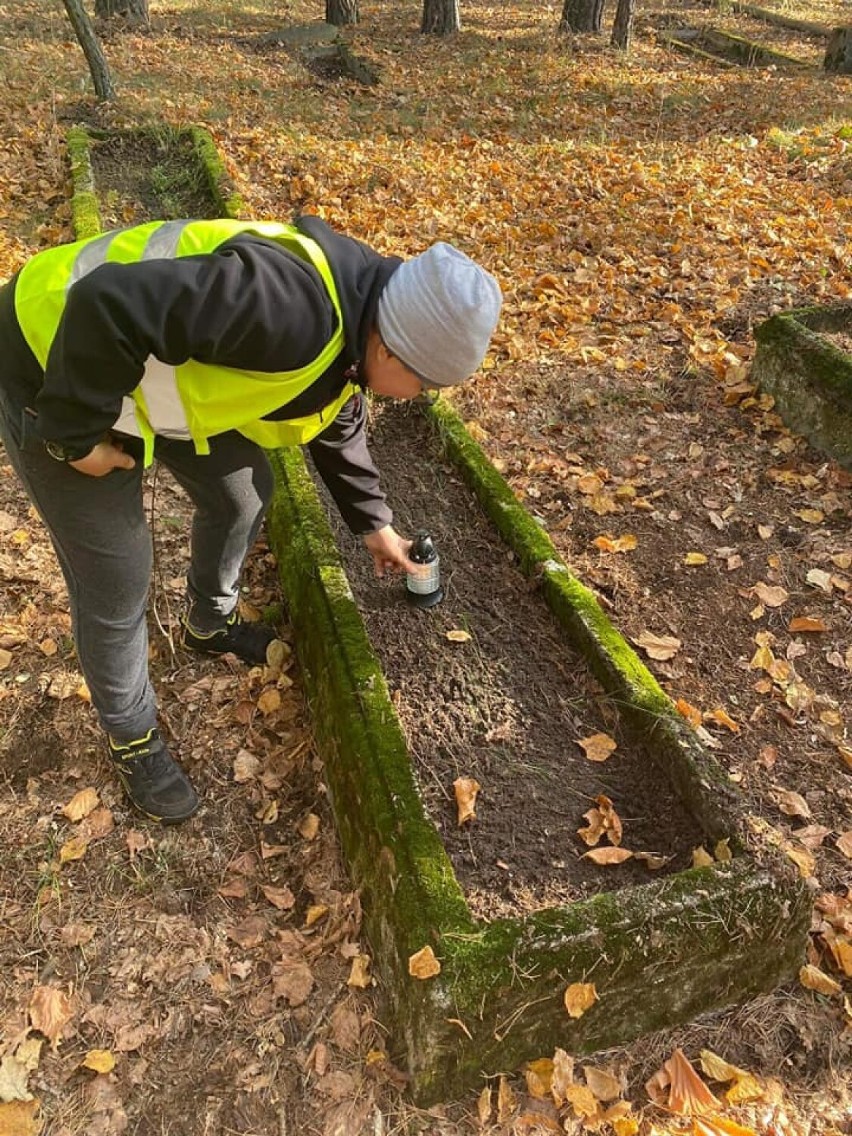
[
  {"x": 389, "y": 551},
  {"x": 103, "y": 459}
]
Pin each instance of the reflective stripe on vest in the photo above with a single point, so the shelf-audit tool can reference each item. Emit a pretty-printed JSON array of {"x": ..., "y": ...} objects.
[{"x": 192, "y": 400}]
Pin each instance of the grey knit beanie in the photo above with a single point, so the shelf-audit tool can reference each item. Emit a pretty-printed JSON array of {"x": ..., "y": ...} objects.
[{"x": 437, "y": 314}]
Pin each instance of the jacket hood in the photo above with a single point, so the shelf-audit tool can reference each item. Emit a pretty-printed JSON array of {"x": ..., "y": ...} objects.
[{"x": 360, "y": 274}]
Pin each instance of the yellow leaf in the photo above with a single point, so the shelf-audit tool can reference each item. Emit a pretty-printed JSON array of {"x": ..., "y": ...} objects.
[
  {"x": 814, "y": 979},
  {"x": 604, "y": 1084},
  {"x": 20, "y": 1118},
  {"x": 598, "y": 747},
  {"x": 50, "y": 1011},
  {"x": 309, "y": 826},
  {"x": 762, "y": 660},
  {"x": 73, "y": 849},
  {"x": 5, "y": 659},
  {"x": 579, "y": 997},
  {"x": 269, "y": 701},
  {"x": 458, "y": 636},
  {"x": 99, "y": 1060},
  {"x": 841, "y": 950},
  {"x": 693, "y": 559},
  {"x": 582, "y": 1099},
  {"x": 810, "y": 516},
  {"x": 483, "y": 1107},
  {"x": 466, "y": 789},
  {"x": 539, "y": 1077},
  {"x": 359, "y": 973},
  {"x": 625, "y": 1126},
  {"x": 718, "y": 1126},
  {"x": 625, "y": 543},
  {"x": 81, "y": 804},
  {"x": 803, "y": 860},
  {"x": 607, "y": 855},
  {"x": 423, "y": 964},
  {"x": 660, "y": 647},
  {"x": 563, "y": 1075},
  {"x": 314, "y": 913}
]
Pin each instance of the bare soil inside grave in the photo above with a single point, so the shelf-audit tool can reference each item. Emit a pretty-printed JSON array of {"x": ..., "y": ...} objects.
[
  {"x": 507, "y": 707},
  {"x": 141, "y": 177}
]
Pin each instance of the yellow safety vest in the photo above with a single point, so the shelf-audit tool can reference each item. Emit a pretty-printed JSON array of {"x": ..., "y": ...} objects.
[{"x": 192, "y": 400}]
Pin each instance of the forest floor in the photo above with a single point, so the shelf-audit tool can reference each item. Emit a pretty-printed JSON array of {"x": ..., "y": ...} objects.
[{"x": 643, "y": 212}]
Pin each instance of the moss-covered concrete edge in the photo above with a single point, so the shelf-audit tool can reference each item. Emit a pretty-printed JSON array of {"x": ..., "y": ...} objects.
[
  {"x": 808, "y": 376},
  {"x": 85, "y": 211},
  {"x": 225, "y": 197},
  {"x": 644, "y": 706}
]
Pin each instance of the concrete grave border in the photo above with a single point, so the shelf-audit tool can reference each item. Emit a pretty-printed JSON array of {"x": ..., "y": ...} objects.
[
  {"x": 657, "y": 954},
  {"x": 809, "y": 378}
]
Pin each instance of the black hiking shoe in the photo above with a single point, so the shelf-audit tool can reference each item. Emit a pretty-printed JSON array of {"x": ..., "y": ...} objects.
[
  {"x": 248, "y": 641},
  {"x": 152, "y": 779}
]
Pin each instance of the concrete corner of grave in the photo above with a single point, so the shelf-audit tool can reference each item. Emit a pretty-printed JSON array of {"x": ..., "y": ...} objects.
[
  {"x": 808, "y": 376},
  {"x": 656, "y": 955}
]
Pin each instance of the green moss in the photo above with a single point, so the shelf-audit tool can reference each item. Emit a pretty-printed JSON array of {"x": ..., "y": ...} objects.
[
  {"x": 85, "y": 212},
  {"x": 227, "y": 200}
]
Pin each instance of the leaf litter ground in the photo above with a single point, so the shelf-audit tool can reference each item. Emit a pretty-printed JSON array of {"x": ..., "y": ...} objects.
[{"x": 642, "y": 213}]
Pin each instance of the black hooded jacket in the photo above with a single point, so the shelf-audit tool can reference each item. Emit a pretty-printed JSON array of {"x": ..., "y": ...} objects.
[{"x": 249, "y": 304}]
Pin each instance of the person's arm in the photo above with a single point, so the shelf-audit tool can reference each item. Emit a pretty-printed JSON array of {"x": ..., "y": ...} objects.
[
  {"x": 343, "y": 461},
  {"x": 250, "y": 304}
]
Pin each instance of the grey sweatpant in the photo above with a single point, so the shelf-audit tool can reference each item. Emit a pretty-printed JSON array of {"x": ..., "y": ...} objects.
[{"x": 101, "y": 537}]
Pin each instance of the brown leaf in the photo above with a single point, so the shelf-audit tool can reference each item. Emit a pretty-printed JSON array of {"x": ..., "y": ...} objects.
[
  {"x": 50, "y": 1011},
  {"x": 250, "y": 932},
  {"x": 791, "y": 803},
  {"x": 598, "y": 747},
  {"x": 806, "y": 623},
  {"x": 81, "y": 804},
  {"x": 466, "y": 789},
  {"x": 604, "y": 1084},
  {"x": 280, "y": 897},
  {"x": 844, "y": 844},
  {"x": 771, "y": 596},
  {"x": 309, "y": 826},
  {"x": 579, "y": 997},
  {"x": 659, "y": 647},
  {"x": 814, "y": 979},
  {"x": 293, "y": 981},
  {"x": 607, "y": 856}
]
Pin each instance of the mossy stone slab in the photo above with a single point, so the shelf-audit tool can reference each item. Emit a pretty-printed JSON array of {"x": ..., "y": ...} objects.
[{"x": 808, "y": 376}]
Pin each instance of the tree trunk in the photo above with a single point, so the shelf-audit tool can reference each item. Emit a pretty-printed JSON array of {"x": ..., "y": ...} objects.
[
  {"x": 341, "y": 12},
  {"x": 622, "y": 27},
  {"x": 440, "y": 17},
  {"x": 838, "y": 54},
  {"x": 581, "y": 16},
  {"x": 133, "y": 9},
  {"x": 90, "y": 44}
]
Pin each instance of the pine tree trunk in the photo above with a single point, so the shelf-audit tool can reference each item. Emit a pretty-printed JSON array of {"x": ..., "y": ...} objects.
[
  {"x": 440, "y": 17},
  {"x": 341, "y": 12},
  {"x": 622, "y": 27},
  {"x": 134, "y": 9},
  {"x": 581, "y": 16},
  {"x": 90, "y": 44}
]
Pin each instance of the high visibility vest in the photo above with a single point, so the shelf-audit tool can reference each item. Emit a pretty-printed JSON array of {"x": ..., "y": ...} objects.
[{"x": 192, "y": 400}]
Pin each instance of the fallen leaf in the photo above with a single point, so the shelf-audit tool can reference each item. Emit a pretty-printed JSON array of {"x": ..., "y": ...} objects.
[
  {"x": 814, "y": 979},
  {"x": 73, "y": 849},
  {"x": 659, "y": 647},
  {"x": 5, "y": 659},
  {"x": 280, "y": 897},
  {"x": 624, "y": 543},
  {"x": 99, "y": 1061},
  {"x": 466, "y": 789},
  {"x": 246, "y": 766},
  {"x": 483, "y": 1107},
  {"x": 563, "y": 1074},
  {"x": 309, "y": 826},
  {"x": 607, "y": 855},
  {"x": 844, "y": 844},
  {"x": 806, "y": 623},
  {"x": 250, "y": 932},
  {"x": 50, "y": 1011},
  {"x": 604, "y": 1084},
  {"x": 687, "y": 710},
  {"x": 458, "y": 636},
  {"x": 505, "y": 1101},
  {"x": 314, "y": 913},
  {"x": 20, "y": 1118},
  {"x": 269, "y": 701},
  {"x": 81, "y": 804},
  {"x": 771, "y": 596},
  {"x": 359, "y": 972},
  {"x": 539, "y": 1077},
  {"x": 791, "y": 803},
  {"x": 423, "y": 964},
  {"x": 579, "y": 997},
  {"x": 723, "y": 718},
  {"x": 13, "y": 1079},
  {"x": 598, "y": 747},
  {"x": 819, "y": 579},
  {"x": 582, "y": 1100},
  {"x": 677, "y": 1086},
  {"x": 719, "y": 1126},
  {"x": 292, "y": 981},
  {"x": 693, "y": 559}
]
